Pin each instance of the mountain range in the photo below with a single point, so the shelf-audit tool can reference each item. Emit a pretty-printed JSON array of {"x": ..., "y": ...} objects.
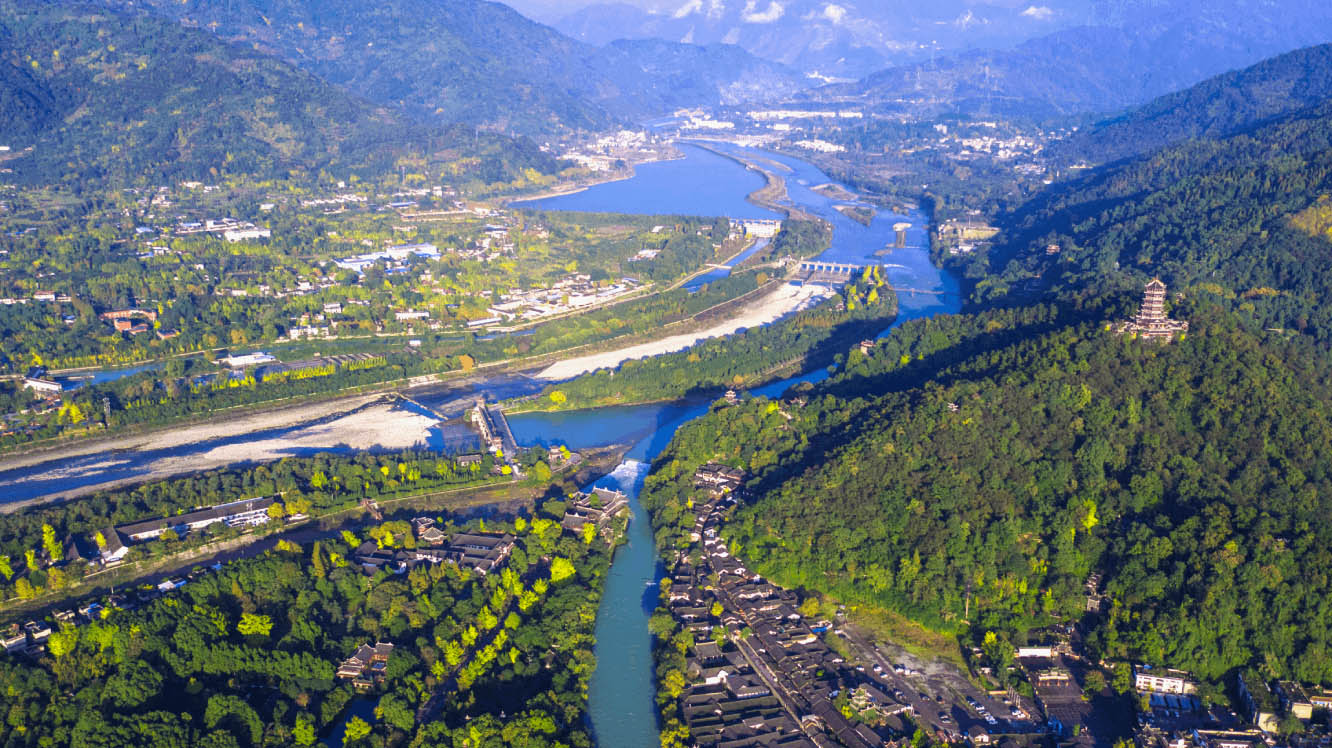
[
  {"x": 1220, "y": 106},
  {"x": 1243, "y": 217},
  {"x": 482, "y": 63},
  {"x": 1137, "y": 52},
  {"x": 847, "y": 38},
  {"x": 96, "y": 94}
]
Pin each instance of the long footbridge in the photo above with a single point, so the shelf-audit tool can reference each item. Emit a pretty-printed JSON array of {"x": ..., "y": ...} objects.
[{"x": 412, "y": 401}]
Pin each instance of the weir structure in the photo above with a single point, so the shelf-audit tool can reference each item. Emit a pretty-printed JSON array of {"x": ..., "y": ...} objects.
[
  {"x": 489, "y": 420},
  {"x": 827, "y": 273}
]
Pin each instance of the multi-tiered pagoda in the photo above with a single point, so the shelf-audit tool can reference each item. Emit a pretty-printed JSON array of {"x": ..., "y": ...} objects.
[{"x": 1152, "y": 322}]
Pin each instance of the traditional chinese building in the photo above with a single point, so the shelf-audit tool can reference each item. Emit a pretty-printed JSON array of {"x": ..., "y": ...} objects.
[{"x": 1152, "y": 322}]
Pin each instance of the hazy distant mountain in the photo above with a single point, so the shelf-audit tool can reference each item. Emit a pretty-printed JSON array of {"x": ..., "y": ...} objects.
[
  {"x": 102, "y": 94},
  {"x": 1217, "y": 107},
  {"x": 1160, "y": 47},
  {"x": 481, "y": 62},
  {"x": 846, "y": 38}
]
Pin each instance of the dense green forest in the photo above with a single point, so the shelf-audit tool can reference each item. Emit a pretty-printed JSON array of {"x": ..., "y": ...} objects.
[
  {"x": 973, "y": 471},
  {"x": 246, "y": 655},
  {"x": 1224, "y": 105},
  {"x": 1214, "y": 215},
  {"x": 133, "y": 99}
]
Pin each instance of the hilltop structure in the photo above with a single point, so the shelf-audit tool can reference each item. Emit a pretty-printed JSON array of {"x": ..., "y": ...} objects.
[{"x": 1152, "y": 322}]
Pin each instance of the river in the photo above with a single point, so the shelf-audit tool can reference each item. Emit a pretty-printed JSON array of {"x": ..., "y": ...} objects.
[
  {"x": 622, "y": 703},
  {"x": 622, "y": 691}
]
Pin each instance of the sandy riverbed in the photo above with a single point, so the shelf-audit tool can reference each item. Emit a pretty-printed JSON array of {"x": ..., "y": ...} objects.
[
  {"x": 169, "y": 437},
  {"x": 785, "y": 299},
  {"x": 357, "y": 423},
  {"x": 376, "y": 427}
]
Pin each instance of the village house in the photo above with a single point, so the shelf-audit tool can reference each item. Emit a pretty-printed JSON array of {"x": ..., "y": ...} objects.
[
  {"x": 14, "y": 640},
  {"x": 366, "y": 666},
  {"x": 427, "y": 532},
  {"x": 718, "y": 478},
  {"x": 597, "y": 507},
  {"x": 480, "y": 552}
]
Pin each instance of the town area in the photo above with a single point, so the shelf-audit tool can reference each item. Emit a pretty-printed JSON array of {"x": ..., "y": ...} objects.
[{"x": 762, "y": 667}]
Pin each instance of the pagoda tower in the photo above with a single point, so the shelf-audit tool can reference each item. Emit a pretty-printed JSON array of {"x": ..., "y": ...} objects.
[{"x": 1152, "y": 322}]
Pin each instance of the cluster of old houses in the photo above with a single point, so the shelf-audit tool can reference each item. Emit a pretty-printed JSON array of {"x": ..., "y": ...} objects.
[
  {"x": 771, "y": 679},
  {"x": 597, "y": 508},
  {"x": 478, "y": 552},
  {"x": 567, "y": 294},
  {"x": 483, "y": 552}
]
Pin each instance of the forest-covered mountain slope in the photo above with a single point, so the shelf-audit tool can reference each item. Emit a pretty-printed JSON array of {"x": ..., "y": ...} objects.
[
  {"x": 974, "y": 471},
  {"x": 97, "y": 94},
  {"x": 1245, "y": 217},
  {"x": 479, "y": 62},
  {"x": 1217, "y": 107}
]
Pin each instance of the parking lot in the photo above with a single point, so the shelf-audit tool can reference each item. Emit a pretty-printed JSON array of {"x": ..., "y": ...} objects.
[{"x": 942, "y": 697}]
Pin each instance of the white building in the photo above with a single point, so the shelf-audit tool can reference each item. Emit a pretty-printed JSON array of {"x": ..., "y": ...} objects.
[
  {"x": 247, "y": 359},
  {"x": 246, "y": 234},
  {"x": 37, "y": 384},
  {"x": 822, "y": 146},
  {"x": 243, "y": 513},
  {"x": 1164, "y": 680}
]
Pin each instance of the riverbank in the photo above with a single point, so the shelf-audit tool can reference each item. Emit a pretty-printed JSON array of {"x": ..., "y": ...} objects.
[
  {"x": 363, "y": 423},
  {"x": 782, "y": 301},
  {"x": 583, "y": 185}
]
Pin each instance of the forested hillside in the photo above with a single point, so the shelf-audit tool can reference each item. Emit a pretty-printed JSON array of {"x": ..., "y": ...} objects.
[
  {"x": 249, "y": 653},
  {"x": 98, "y": 95},
  {"x": 480, "y": 62},
  {"x": 1231, "y": 216},
  {"x": 1217, "y": 107},
  {"x": 973, "y": 472}
]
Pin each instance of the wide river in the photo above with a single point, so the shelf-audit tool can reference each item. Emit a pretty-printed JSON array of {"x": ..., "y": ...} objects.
[{"x": 702, "y": 183}]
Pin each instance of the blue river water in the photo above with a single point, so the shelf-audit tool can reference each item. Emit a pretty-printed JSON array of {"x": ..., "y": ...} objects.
[
  {"x": 621, "y": 693},
  {"x": 700, "y": 184}
]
